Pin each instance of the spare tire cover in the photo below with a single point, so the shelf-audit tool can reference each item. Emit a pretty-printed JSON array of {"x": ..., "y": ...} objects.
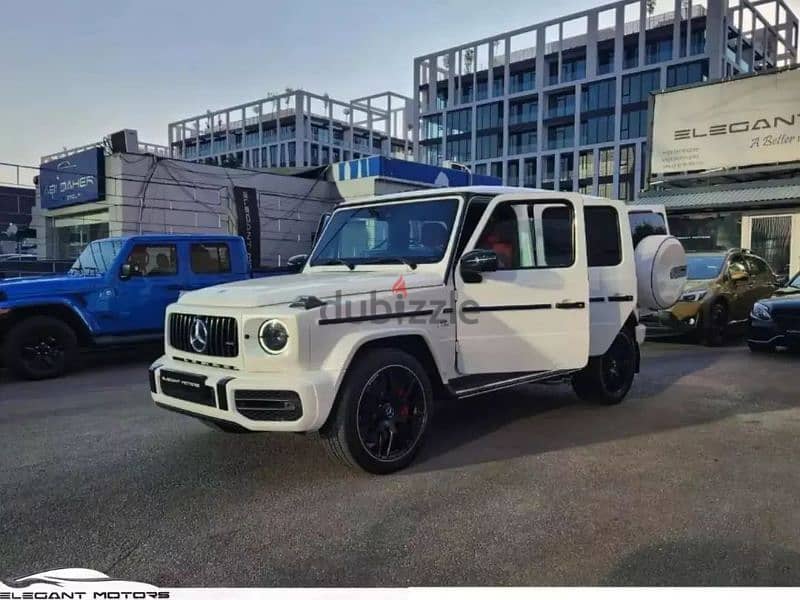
[{"x": 660, "y": 271}]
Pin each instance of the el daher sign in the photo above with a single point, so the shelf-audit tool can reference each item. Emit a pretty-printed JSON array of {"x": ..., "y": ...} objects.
[
  {"x": 737, "y": 123},
  {"x": 74, "y": 179}
]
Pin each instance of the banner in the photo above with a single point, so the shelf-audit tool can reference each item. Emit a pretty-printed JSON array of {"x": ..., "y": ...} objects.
[
  {"x": 248, "y": 224},
  {"x": 738, "y": 123},
  {"x": 74, "y": 179}
]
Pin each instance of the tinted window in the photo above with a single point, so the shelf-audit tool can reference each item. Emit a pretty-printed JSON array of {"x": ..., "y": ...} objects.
[
  {"x": 603, "y": 244},
  {"x": 644, "y": 224},
  {"x": 153, "y": 260},
  {"x": 704, "y": 267},
  {"x": 416, "y": 232},
  {"x": 757, "y": 267},
  {"x": 211, "y": 258},
  {"x": 530, "y": 235},
  {"x": 97, "y": 257}
]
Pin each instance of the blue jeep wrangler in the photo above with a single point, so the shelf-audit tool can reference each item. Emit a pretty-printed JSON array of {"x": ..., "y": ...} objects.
[{"x": 116, "y": 292}]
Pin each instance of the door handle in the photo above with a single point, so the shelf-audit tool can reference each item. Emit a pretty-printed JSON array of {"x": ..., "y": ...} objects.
[
  {"x": 621, "y": 298},
  {"x": 569, "y": 305}
]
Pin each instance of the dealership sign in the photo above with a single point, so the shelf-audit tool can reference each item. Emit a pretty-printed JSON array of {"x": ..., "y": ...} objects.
[
  {"x": 738, "y": 123},
  {"x": 74, "y": 179}
]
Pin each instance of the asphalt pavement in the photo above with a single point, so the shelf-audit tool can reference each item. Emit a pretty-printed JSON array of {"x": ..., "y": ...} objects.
[{"x": 693, "y": 480}]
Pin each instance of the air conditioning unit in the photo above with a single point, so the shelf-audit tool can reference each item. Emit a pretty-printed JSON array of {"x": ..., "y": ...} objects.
[{"x": 126, "y": 140}]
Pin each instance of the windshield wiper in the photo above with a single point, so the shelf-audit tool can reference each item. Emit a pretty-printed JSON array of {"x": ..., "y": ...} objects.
[
  {"x": 336, "y": 261},
  {"x": 389, "y": 260}
]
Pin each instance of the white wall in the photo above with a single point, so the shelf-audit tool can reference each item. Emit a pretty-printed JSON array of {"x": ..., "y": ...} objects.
[{"x": 146, "y": 195}]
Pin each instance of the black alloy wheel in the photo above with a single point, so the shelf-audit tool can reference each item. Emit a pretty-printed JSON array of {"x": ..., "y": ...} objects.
[
  {"x": 392, "y": 413},
  {"x": 619, "y": 366},
  {"x": 382, "y": 412},
  {"x": 40, "y": 348}
]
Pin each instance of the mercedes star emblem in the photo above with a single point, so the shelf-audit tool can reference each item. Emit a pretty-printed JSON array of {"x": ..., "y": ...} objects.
[{"x": 198, "y": 338}]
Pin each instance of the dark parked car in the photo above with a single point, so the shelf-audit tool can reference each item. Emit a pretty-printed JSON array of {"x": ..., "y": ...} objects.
[
  {"x": 720, "y": 292},
  {"x": 775, "y": 322}
]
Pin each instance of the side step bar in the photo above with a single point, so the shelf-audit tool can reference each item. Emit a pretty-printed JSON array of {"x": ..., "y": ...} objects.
[{"x": 502, "y": 384}]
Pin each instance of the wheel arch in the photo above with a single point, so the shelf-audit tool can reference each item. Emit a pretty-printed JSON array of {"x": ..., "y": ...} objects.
[
  {"x": 62, "y": 311},
  {"x": 414, "y": 343}
]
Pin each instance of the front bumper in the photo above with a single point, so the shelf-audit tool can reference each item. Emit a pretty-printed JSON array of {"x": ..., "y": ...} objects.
[
  {"x": 771, "y": 334},
  {"x": 253, "y": 401},
  {"x": 680, "y": 319}
]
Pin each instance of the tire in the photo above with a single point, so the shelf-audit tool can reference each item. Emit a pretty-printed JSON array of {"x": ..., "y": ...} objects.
[
  {"x": 715, "y": 330},
  {"x": 607, "y": 379},
  {"x": 382, "y": 412},
  {"x": 760, "y": 348},
  {"x": 40, "y": 348}
]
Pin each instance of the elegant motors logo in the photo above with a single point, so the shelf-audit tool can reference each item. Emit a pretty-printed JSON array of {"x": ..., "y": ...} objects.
[
  {"x": 762, "y": 124},
  {"x": 77, "y": 584}
]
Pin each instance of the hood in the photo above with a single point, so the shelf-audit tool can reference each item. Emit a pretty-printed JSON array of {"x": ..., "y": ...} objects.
[
  {"x": 692, "y": 285},
  {"x": 23, "y": 288},
  {"x": 785, "y": 303},
  {"x": 787, "y": 291},
  {"x": 283, "y": 289}
]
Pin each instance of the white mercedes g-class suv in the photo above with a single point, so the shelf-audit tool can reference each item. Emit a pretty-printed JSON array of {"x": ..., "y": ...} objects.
[{"x": 411, "y": 298}]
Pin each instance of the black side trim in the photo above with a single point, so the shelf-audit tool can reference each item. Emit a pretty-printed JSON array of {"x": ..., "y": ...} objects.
[
  {"x": 380, "y": 317},
  {"x": 620, "y": 298},
  {"x": 515, "y": 380},
  {"x": 470, "y": 309},
  {"x": 571, "y": 305},
  {"x": 222, "y": 393},
  {"x": 230, "y": 424},
  {"x": 151, "y": 374},
  {"x": 597, "y": 299},
  {"x": 447, "y": 311}
]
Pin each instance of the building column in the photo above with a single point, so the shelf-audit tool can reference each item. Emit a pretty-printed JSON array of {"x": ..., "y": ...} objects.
[{"x": 299, "y": 131}]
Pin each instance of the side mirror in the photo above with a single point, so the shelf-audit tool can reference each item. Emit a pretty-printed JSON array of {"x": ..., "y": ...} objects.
[
  {"x": 738, "y": 275},
  {"x": 125, "y": 271},
  {"x": 298, "y": 260},
  {"x": 475, "y": 262}
]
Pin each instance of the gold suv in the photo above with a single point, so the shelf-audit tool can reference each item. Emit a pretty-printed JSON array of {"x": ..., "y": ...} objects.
[{"x": 720, "y": 292}]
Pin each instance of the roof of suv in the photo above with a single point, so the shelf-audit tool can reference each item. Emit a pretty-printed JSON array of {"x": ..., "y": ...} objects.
[{"x": 493, "y": 190}]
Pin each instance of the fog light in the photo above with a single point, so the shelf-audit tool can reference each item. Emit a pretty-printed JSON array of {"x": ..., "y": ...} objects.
[{"x": 691, "y": 321}]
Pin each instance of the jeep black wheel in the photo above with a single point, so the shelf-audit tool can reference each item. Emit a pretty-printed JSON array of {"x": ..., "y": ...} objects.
[
  {"x": 608, "y": 378},
  {"x": 40, "y": 348},
  {"x": 382, "y": 412},
  {"x": 716, "y": 325}
]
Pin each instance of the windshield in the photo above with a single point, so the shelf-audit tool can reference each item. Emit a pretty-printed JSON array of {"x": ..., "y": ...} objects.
[
  {"x": 408, "y": 232},
  {"x": 704, "y": 267},
  {"x": 96, "y": 258}
]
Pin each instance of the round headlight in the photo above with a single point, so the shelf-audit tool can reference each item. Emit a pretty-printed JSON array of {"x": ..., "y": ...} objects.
[{"x": 273, "y": 336}]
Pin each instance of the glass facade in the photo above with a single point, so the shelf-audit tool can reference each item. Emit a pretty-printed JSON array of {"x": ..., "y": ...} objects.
[{"x": 564, "y": 99}]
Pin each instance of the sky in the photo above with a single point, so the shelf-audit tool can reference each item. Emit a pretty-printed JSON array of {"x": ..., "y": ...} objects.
[{"x": 72, "y": 72}]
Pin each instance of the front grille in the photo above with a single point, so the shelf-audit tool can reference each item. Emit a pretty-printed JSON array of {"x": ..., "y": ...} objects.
[
  {"x": 268, "y": 405},
  {"x": 220, "y": 334}
]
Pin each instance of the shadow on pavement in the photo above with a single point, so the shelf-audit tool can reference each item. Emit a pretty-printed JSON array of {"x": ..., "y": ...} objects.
[
  {"x": 96, "y": 358},
  {"x": 707, "y": 563},
  {"x": 543, "y": 418}
]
